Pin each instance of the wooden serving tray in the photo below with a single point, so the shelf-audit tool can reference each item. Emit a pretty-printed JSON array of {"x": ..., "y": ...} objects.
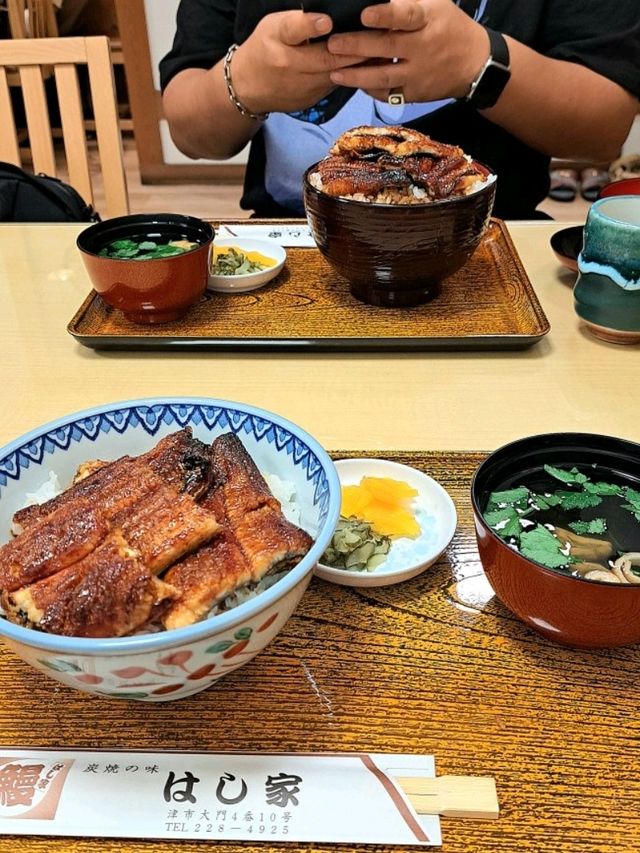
[
  {"x": 434, "y": 665},
  {"x": 489, "y": 304}
]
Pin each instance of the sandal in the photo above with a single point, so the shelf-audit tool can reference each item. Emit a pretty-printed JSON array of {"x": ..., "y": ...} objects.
[
  {"x": 564, "y": 184},
  {"x": 593, "y": 180}
]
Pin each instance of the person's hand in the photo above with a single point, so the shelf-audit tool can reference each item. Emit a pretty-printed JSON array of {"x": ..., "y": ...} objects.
[
  {"x": 277, "y": 69},
  {"x": 430, "y": 49}
]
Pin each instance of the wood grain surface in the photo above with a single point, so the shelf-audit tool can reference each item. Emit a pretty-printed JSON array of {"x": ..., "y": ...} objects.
[
  {"x": 490, "y": 303},
  {"x": 434, "y": 665}
]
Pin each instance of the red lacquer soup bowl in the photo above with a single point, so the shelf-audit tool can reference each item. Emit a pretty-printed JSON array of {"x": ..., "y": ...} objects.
[
  {"x": 564, "y": 608},
  {"x": 149, "y": 291},
  {"x": 627, "y": 186}
]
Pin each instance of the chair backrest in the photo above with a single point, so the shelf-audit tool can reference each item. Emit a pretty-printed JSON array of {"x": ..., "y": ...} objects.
[
  {"x": 29, "y": 56},
  {"x": 32, "y": 19}
]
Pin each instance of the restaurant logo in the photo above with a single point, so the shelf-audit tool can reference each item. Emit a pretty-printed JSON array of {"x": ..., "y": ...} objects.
[{"x": 31, "y": 789}]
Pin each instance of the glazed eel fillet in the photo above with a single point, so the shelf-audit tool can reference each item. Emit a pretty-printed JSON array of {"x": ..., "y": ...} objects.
[
  {"x": 243, "y": 499},
  {"x": 129, "y": 499},
  {"x": 370, "y": 160},
  {"x": 165, "y": 526},
  {"x": 157, "y": 520},
  {"x": 87, "y": 562},
  {"x": 256, "y": 538},
  {"x": 364, "y": 142},
  {"x": 347, "y": 177},
  {"x": 179, "y": 460},
  {"x": 109, "y": 593},
  {"x": 159, "y": 523}
]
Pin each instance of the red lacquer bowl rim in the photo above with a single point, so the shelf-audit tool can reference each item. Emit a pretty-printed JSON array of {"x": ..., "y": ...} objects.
[{"x": 624, "y": 186}]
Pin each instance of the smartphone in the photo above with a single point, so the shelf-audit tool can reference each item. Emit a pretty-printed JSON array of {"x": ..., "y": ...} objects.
[{"x": 345, "y": 14}]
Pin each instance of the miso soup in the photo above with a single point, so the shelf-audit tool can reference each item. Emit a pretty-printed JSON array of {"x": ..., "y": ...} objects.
[
  {"x": 582, "y": 520},
  {"x": 147, "y": 247}
]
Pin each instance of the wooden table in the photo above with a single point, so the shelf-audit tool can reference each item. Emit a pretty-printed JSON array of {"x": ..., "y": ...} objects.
[
  {"x": 435, "y": 665},
  {"x": 462, "y": 401}
]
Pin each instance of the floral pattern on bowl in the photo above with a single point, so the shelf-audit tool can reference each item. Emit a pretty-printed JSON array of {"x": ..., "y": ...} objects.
[{"x": 173, "y": 674}]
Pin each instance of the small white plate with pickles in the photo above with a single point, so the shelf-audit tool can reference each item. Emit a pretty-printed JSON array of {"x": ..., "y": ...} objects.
[
  {"x": 241, "y": 264},
  {"x": 432, "y": 509}
]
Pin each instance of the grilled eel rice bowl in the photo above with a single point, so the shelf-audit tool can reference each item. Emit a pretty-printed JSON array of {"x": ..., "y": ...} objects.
[
  {"x": 169, "y": 563},
  {"x": 396, "y": 165},
  {"x": 157, "y": 540},
  {"x": 149, "y": 542}
]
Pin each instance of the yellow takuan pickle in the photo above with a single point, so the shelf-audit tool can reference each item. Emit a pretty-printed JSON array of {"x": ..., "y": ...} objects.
[
  {"x": 382, "y": 502},
  {"x": 254, "y": 257}
]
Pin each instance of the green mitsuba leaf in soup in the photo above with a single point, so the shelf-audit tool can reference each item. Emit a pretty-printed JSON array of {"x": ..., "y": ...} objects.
[
  {"x": 634, "y": 501},
  {"x": 545, "y": 501},
  {"x": 509, "y": 496},
  {"x": 602, "y": 489},
  {"x": 570, "y": 477},
  {"x": 578, "y": 500},
  {"x": 542, "y": 546},
  {"x": 505, "y": 522},
  {"x": 593, "y": 527},
  {"x": 145, "y": 250},
  {"x": 528, "y": 518}
]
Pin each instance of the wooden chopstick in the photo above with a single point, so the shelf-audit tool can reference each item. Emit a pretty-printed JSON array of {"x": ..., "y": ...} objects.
[{"x": 452, "y": 796}]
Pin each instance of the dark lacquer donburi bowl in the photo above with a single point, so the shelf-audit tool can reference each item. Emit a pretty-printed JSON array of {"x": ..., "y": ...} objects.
[
  {"x": 563, "y": 608},
  {"x": 397, "y": 255},
  {"x": 149, "y": 291}
]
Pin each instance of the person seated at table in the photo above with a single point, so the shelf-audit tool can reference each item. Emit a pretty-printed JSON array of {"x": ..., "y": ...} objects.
[{"x": 570, "y": 90}]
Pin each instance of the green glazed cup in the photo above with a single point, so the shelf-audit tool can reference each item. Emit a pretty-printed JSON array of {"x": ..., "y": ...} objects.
[{"x": 607, "y": 292}]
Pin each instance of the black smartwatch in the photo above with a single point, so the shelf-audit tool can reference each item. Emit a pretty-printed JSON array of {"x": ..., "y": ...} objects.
[{"x": 494, "y": 74}]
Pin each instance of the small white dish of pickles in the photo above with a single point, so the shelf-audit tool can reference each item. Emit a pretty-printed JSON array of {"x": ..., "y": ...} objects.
[
  {"x": 240, "y": 264},
  {"x": 395, "y": 522}
]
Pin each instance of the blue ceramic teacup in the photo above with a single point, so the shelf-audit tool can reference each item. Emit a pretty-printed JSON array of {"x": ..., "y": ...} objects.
[{"x": 607, "y": 292}]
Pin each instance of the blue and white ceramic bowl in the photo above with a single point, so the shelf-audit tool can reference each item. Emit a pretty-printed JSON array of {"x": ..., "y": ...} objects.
[
  {"x": 607, "y": 292},
  {"x": 170, "y": 664}
]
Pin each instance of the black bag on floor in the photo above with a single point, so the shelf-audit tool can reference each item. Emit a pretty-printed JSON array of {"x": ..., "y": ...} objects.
[{"x": 39, "y": 198}]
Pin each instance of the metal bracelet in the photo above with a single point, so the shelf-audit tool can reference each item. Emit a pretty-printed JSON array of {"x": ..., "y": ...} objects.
[{"x": 232, "y": 92}]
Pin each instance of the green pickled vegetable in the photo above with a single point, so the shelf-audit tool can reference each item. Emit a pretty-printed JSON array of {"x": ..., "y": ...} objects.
[
  {"x": 234, "y": 262},
  {"x": 356, "y": 547}
]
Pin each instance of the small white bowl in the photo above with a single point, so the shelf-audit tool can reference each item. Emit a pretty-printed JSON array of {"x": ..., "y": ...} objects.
[
  {"x": 250, "y": 280},
  {"x": 433, "y": 508}
]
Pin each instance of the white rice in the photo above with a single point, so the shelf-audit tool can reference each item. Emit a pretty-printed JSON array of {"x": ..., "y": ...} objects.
[
  {"x": 285, "y": 492},
  {"x": 46, "y": 492}
]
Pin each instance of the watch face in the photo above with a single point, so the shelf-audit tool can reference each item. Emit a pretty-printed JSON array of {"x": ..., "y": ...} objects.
[{"x": 491, "y": 86}]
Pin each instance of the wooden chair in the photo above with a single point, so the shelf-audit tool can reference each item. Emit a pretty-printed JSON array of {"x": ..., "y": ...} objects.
[
  {"x": 29, "y": 56},
  {"x": 32, "y": 19}
]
